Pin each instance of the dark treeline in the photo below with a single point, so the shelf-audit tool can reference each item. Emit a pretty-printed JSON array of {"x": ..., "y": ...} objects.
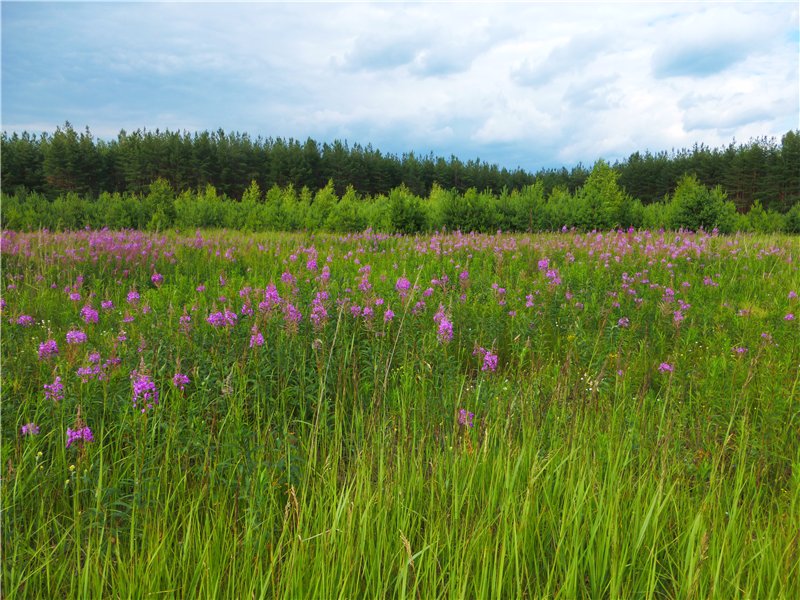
[{"x": 69, "y": 161}]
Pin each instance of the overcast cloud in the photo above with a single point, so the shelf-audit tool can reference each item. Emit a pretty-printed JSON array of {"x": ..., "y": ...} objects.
[{"x": 531, "y": 85}]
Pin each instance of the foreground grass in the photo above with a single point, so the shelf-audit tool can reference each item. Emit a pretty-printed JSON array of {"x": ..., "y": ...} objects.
[{"x": 331, "y": 463}]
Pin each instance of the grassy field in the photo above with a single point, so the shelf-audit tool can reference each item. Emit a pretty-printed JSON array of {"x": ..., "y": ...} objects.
[{"x": 609, "y": 415}]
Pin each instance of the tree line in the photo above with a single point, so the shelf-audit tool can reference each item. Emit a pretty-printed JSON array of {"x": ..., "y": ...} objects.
[
  {"x": 68, "y": 161},
  {"x": 599, "y": 204}
]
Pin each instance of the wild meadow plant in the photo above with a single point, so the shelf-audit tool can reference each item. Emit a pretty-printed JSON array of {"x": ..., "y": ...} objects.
[{"x": 601, "y": 415}]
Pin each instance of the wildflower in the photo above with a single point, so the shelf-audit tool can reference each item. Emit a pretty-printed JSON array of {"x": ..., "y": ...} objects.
[
  {"x": 75, "y": 296},
  {"x": 89, "y": 314},
  {"x": 319, "y": 314},
  {"x": 465, "y": 419},
  {"x": 180, "y": 381},
  {"x": 665, "y": 367},
  {"x": 256, "y": 339},
  {"x": 271, "y": 298},
  {"x": 624, "y": 322},
  {"x": 87, "y": 373},
  {"x": 106, "y": 305},
  {"x": 54, "y": 391},
  {"x": 48, "y": 349},
  {"x": 83, "y": 434},
  {"x": 402, "y": 286},
  {"x": 30, "y": 429},
  {"x": 200, "y": 288},
  {"x": 388, "y": 315},
  {"x": 792, "y": 294},
  {"x": 157, "y": 279},
  {"x": 740, "y": 350},
  {"x": 222, "y": 319},
  {"x": 133, "y": 297},
  {"x": 789, "y": 317},
  {"x": 145, "y": 393},
  {"x": 489, "y": 359},
  {"x": 25, "y": 320},
  {"x": 288, "y": 278},
  {"x": 292, "y": 316},
  {"x": 445, "y": 329},
  {"x": 76, "y": 336}
]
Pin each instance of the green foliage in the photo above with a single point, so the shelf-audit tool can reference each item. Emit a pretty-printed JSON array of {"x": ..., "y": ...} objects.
[
  {"x": 332, "y": 462},
  {"x": 69, "y": 161},
  {"x": 695, "y": 207},
  {"x": 793, "y": 219},
  {"x": 406, "y": 213},
  {"x": 599, "y": 204}
]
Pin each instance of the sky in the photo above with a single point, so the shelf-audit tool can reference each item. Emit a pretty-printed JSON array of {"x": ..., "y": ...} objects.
[{"x": 519, "y": 84}]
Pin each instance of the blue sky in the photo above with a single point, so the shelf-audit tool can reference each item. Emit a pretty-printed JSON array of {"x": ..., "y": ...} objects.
[{"x": 518, "y": 84}]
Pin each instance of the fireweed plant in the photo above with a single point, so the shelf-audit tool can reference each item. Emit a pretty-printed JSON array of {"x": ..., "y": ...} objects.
[{"x": 603, "y": 415}]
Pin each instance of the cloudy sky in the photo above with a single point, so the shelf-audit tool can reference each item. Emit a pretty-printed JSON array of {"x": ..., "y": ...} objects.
[{"x": 519, "y": 84}]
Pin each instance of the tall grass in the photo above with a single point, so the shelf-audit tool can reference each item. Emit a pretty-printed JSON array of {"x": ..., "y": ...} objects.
[{"x": 331, "y": 462}]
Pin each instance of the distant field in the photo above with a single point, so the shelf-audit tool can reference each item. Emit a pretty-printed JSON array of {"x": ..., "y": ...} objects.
[{"x": 610, "y": 415}]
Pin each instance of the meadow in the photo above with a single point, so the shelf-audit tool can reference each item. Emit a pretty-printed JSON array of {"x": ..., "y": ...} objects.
[{"x": 565, "y": 415}]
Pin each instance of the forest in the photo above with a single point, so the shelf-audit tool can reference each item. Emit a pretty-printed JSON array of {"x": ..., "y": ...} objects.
[{"x": 67, "y": 160}]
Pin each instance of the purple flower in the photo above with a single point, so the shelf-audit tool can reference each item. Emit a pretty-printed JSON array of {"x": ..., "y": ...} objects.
[
  {"x": 445, "y": 327},
  {"x": 76, "y": 336},
  {"x": 30, "y": 429},
  {"x": 157, "y": 278},
  {"x": 489, "y": 359},
  {"x": 106, "y": 305},
  {"x": 666, "y": 367},
  {"x": 292, "y": 316},
  {"x": 465, "y": 419},
  {"x": 402, "y": 286},
  {"x": 87, "y": 373},
  {"x": 83, "y": 434},
  {"x": 489, "y": 362},
  {"x": 25, "y": 320},
  {"x": 180, "y": 381},
  {"x": 222, "y": 319},
  {"x": 388, "y": 315},
  {"x": 133, "y": 297},
  {"x": 271, "y": 298},
  {"x": 54, "y": 391},
  {"x": 89, "y": 314},
  {"x": 624, "y": 322},
  {"x": 145, "y": 393},
  {"x": 256, "y": 339},
  {"x": 740, "y": 350},
  {"x": 792, "y": 294},
  {"x": 319, "y": 314},
  {"x": 75, "y": 296},
  {"x": 789, "y": 317},
  {"x": 48, "y": 349}
]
